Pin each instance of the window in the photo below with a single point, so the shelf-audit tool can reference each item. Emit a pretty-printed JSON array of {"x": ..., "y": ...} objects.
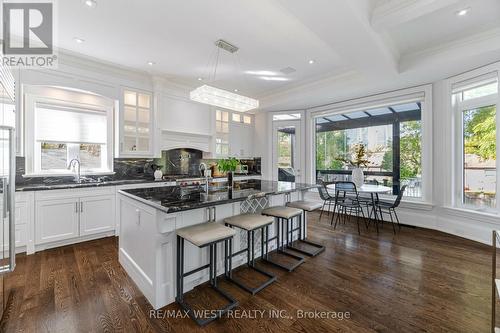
[
  {"x": 63, "y": 133},
  {"x": 292, "y": 116},
  {"x": 391, "y": 138},
  {"x": 222, "y": 133},
  {"x": 236, "y": 117},
  {"x": 475, "y": 106},
  {"x": 240, "y": 118}
]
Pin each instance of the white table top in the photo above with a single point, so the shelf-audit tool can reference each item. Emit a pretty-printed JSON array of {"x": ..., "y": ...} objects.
[{"x": 368, "y": 188}]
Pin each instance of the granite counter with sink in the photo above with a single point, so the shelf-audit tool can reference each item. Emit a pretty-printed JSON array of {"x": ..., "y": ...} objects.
[{"x": 74, "y": 185}]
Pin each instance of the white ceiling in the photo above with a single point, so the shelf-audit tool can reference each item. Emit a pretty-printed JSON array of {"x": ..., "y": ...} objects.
[
  {"x": 179, "y": 37},
  {"x": 359, "y": 46},
  {"x": 443, "y": 25}
]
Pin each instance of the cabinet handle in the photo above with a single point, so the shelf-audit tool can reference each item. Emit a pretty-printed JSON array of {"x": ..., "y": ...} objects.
[
  {"x": 76, "y": 207},
  {"x": 215, "y": 216},
  {"x": 81, "y": 207}
]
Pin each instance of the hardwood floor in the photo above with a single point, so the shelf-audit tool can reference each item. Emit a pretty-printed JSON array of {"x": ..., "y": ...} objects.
[{"x": 416, "y": 281}]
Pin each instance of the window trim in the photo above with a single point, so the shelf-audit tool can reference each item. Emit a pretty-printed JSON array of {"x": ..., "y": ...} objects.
[
  {"x": 422, "y": 94},
  {"x": 31, "y": 159},
  {"x": 457, "y": 108}
]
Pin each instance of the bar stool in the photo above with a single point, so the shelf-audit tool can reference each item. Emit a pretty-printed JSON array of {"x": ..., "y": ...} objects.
[
  {"x": 282, "y": 214},
  {"x": 250, "y": 223},
  {"x": 305, "y": 206},
  {"x": 203, "y": 235}
]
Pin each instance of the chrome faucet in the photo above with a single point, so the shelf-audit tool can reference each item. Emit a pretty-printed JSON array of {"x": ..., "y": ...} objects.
[{"x": 77, "y": 175}]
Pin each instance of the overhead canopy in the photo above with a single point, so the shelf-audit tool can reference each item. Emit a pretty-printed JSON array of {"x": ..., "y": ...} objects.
[{"x": 373, "y": 117}]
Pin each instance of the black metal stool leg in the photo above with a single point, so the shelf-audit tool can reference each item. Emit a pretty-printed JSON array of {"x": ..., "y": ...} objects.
[
  {"x": 302, "y": 226},
  {"x": 250, "y": 253},
  {"x": 281, "y": 248},
  {"x": 212, "y": 266}
]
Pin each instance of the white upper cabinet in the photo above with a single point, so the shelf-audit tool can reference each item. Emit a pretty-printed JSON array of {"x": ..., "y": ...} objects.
[
  {"x": 241, "y": 135},
  {"x": 136, "y": 131}
]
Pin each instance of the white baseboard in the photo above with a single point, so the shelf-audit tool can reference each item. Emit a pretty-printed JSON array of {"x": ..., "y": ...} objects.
[{"x": 65, "y": 242}]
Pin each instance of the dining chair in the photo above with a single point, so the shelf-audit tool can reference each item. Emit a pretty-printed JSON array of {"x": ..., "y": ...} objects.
[
  {"x": 326, "y": 197},
  {"x": 345, "y": 190},
  {"x": 389, "y": 208}
]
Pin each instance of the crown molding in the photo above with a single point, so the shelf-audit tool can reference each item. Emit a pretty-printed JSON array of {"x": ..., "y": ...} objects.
[
  {"x": 396, "y": 12},
  {"x": 482, "y": 42}
]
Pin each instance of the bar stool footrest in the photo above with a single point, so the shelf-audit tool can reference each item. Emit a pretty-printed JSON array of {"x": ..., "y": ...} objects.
[
  {"x": 289, "y": 268},
  {"x": 319, "y": 248},
  {"x": 254, "y": 290},
  {"x": 204, "y": 321}
]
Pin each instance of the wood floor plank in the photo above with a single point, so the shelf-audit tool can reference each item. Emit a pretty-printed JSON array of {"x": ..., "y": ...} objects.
[{"x": 415, "y": 281}]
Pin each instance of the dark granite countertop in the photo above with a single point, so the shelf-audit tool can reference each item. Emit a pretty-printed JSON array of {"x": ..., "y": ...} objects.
[
  {"x": 65, "y": 184},
  {"x": 171, "y": 200},
  {"x": 73, "y": 185}
]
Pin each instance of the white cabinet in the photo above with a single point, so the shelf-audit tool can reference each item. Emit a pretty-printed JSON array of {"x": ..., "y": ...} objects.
[
  {"x": 136, "y": 118},
  {"x": 56, "y": 219},
  {"x": 241, "y": 140},
  {"x": 71, "y": 214},
  {"x": 97, "y": 214}
]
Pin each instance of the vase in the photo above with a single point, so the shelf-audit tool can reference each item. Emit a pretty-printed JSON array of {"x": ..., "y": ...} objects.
[
  {"x": 230, "y": 178},
  {"x": 358, "y": 177}
]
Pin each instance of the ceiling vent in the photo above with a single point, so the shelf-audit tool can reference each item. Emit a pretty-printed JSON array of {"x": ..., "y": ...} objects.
[
  {"x": 226, "y": 46},
  {"x": 288, "y": 70}
]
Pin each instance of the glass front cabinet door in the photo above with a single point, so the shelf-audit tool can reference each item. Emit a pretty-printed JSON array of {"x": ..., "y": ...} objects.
[{"x": 136, "y": 124}]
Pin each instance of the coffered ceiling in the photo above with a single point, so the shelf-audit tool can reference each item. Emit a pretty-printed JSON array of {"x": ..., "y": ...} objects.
[{"x": 356, "y": 47}]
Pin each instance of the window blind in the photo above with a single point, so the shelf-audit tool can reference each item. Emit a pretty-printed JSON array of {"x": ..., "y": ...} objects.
[
  {"x": 70, "y": 125},
  {"x": 475, "y": 82}
]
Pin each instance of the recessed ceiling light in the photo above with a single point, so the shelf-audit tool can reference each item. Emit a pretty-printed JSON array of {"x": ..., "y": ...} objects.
[
  {"x": 311, "y": 61},
  {"x": 90, "y": 3},
  {"x": 200, "y": 79},
  {"x": 151, "y": 63},
  {"x": 78, "y": 40},
  {"x": 273, "y": 78},
  {"x": 235, "y": 90},
  {"x": 463, "y": 12}
]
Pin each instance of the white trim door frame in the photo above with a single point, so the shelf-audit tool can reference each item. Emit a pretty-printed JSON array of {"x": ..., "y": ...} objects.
[{"x": 298, "y": 160}]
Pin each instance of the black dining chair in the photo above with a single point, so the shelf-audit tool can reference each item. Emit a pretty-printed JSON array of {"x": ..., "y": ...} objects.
[
  {"x": 348, "y": 190},
  {"x": 389, "y": 208},
  {"x": 326, "y": 197}
]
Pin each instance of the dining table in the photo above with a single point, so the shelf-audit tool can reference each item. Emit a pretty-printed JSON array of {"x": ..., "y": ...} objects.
[{"x": 373, "y": 189}]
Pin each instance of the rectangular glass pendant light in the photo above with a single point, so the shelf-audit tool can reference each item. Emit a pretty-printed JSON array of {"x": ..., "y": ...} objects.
[{"x": 222, "y": 98}]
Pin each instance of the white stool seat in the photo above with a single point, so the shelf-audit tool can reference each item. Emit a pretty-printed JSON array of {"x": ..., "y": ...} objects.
[
  {"x": 282, "y": 212},
  {"x": 205, "y": 233},
  {"x": 305, "y": 205},
  {"x": 249, "y": 222}
]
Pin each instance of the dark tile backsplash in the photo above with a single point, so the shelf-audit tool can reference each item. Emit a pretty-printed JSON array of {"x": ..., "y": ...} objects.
[
  {"x": 124, "y": 168},
  {"x": 180, "y": 162},
  {"x": 172, "y": 162}
]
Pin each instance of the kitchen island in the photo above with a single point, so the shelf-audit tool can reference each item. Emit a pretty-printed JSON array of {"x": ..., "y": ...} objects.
[{"x": 150, "y": 216}]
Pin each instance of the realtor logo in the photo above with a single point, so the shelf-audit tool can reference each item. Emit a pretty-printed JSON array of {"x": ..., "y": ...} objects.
[{"x": 28, "y": 34}]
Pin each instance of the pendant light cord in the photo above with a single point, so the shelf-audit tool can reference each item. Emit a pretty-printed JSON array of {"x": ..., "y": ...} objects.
[{"x": 216, "y": 63}]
